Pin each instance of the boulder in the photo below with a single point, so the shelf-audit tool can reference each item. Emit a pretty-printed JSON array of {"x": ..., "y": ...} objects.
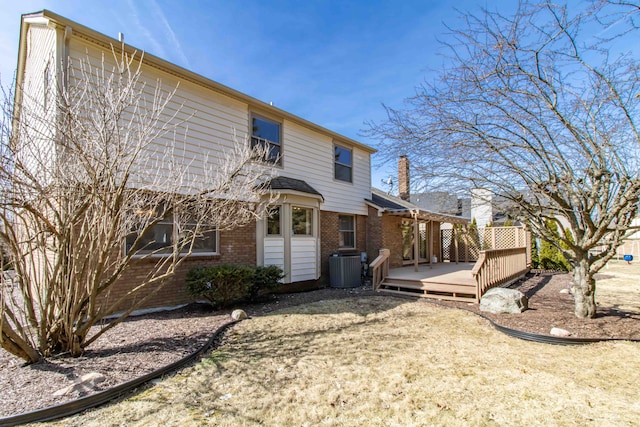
[
  {"x": 238, "y": 314},
  {"x": 559, "y": 332},
  {"x": 503, "y": 300}
]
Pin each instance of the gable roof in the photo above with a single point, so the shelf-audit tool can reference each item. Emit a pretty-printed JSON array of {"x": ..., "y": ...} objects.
[
  {"x": 392, "y": 205},
  {"x": 74, "y": 29}
]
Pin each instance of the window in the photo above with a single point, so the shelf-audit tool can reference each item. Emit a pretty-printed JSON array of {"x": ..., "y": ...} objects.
[
  {"x": 273, "y": 222},
  {"x": 161, "y": 237},
  {"x": 301, "y": 221},
  {"x": 346, "y": 231},
  {"x": 266, "y": 133},
  {"x": 342, "y": 163}
]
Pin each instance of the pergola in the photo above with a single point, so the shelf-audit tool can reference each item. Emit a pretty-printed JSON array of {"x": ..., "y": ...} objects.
[{"x": 417, "y": 215}]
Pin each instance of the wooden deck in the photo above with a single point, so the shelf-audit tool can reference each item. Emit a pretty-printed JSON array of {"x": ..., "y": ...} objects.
[{"x": 446, "y": 280}]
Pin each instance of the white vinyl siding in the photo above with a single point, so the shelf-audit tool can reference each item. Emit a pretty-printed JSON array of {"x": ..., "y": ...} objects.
[
  {"x": 216, "y": 122},
  {"x": 274, "y": 252},
  {"x": 309, "y": 156},
  {"x": 303, "y": 259},
  {"x": 36, "y": 132}
]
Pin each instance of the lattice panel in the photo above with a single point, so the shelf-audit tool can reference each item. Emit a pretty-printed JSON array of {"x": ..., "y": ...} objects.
[{"x": 473, "y": 241}]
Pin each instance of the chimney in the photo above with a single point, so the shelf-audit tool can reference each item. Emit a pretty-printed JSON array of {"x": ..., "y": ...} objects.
[{"x": 403, "y": 178}]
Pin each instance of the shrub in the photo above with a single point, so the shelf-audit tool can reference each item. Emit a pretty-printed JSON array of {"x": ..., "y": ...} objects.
[
  {"x": 220, "y": 284},
  {"x": 265, "y": 278}
]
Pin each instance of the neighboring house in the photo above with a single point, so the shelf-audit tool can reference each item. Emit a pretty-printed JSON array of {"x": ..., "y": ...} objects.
[{"x": 324, "y": 177}]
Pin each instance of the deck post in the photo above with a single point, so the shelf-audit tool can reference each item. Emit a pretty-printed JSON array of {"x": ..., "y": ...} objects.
[
  {"x": 430, "y": 243},
  {"x": 416, "y": 241},
  {"x": 466, "y": 243},
  {"x": 455, "y": 243}
]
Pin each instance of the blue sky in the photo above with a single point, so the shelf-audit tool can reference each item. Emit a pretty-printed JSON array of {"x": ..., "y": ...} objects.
[{"x": 331, "y": 62}]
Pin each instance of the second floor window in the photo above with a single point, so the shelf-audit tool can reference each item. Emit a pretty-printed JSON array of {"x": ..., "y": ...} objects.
[
  {"x": 267, "y": 134},
  {"x": 342, "y": 164}
]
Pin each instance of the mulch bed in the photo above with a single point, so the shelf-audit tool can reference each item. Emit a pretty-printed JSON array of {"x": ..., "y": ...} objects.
[
  {"x": 551, "y": 308},
  {"x": 145, "y": 343}
]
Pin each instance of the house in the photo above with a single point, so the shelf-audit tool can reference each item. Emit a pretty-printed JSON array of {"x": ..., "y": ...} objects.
[
  {"x": 325, "y": 204},
  {"x": 324, "y": 178}
]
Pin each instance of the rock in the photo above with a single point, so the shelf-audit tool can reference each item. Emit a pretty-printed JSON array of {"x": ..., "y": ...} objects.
[
  {"x": 238, "y": 315},
  {"x": 565, "y": 291},
  {"x": 558, "y": 332},
  {"x": 85, "y": 384},
  {"x": 503, "y": 300}
]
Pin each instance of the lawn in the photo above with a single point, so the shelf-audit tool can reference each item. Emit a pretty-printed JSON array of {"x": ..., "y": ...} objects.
[
  {"x": 386, "y": 361},
  {"x": 619, "y": 286}
]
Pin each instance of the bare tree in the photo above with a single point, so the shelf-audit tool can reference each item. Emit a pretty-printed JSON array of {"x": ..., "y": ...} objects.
[
  {"x": 541, "y": 108},
  {"x": 92, "y": 183}
]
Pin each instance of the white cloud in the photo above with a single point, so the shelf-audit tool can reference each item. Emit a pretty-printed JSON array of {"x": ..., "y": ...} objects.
[
  {"x": 174, "y": 43},
  {"x": 137, "y": 24}
]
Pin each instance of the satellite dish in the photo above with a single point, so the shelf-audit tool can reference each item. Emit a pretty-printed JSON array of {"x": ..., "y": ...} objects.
[{"x": 388, "y": 182}]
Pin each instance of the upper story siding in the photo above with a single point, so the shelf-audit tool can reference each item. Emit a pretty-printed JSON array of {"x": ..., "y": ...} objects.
[
  {"x": 211, "y": 119},
  {"x": 309, "y": 156},
  {"x": 37, "y": 88}
]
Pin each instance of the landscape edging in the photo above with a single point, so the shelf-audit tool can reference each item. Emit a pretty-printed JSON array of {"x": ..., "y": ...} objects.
[{"x": 93, "y": 400}]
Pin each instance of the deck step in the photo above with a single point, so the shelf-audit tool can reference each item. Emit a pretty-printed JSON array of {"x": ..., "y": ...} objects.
[
  {"x": 430, "y": 290},
  {"x": 430, "y": 294},
  {"x": 429, "y": 286}
]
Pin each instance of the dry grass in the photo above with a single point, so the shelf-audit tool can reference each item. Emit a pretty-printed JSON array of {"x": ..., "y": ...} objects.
[
  {"x": 619, "y": 286},
  {"x": 385, "y": 361}
]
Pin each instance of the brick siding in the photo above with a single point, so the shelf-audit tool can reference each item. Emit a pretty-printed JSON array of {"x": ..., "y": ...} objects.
[
  {"x": 236, "y": 247},
  {"x": 329, "y": 239}
]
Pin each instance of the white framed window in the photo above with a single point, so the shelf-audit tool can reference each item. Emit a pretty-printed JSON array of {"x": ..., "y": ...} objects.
[
  {"x": 342, "y": 163},
  {"x": 267, "y": 133},
  {"x": 160, "y": 238},
  {"x": 346, "y": 231},
  {"x": 301, "y": 221},
  {"x": 274, "y": 222}
]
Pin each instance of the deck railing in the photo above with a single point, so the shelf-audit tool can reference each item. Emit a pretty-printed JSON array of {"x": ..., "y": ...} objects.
[
  {"x": 380, "y": 268},
  {"x": 497, "y": 267}
]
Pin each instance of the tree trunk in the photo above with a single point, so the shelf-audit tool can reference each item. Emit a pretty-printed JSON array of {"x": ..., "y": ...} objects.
[{"x": 584, "y": 290}]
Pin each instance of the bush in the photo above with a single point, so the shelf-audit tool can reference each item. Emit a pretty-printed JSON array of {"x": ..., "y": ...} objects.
[
  {"x": 221, "y": 284},
  {"x": 265, "y": 278},
  {"x": 550, "y": 255}
]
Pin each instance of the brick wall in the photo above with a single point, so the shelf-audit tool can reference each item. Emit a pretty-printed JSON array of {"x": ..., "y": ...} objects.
[
  {"x": 392, "y": 239},
  {"x": 236, "y": 247},
  {"x": 329, "y": 243},
  {"x": 374, "y": 234},
  {"x": 403, "y": 178}
]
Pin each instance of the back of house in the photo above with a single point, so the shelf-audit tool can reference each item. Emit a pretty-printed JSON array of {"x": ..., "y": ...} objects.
[{"x": 323, "y": 178}]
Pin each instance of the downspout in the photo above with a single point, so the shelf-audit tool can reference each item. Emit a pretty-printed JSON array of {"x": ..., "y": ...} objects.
[{"x": 66, "y": 52}]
